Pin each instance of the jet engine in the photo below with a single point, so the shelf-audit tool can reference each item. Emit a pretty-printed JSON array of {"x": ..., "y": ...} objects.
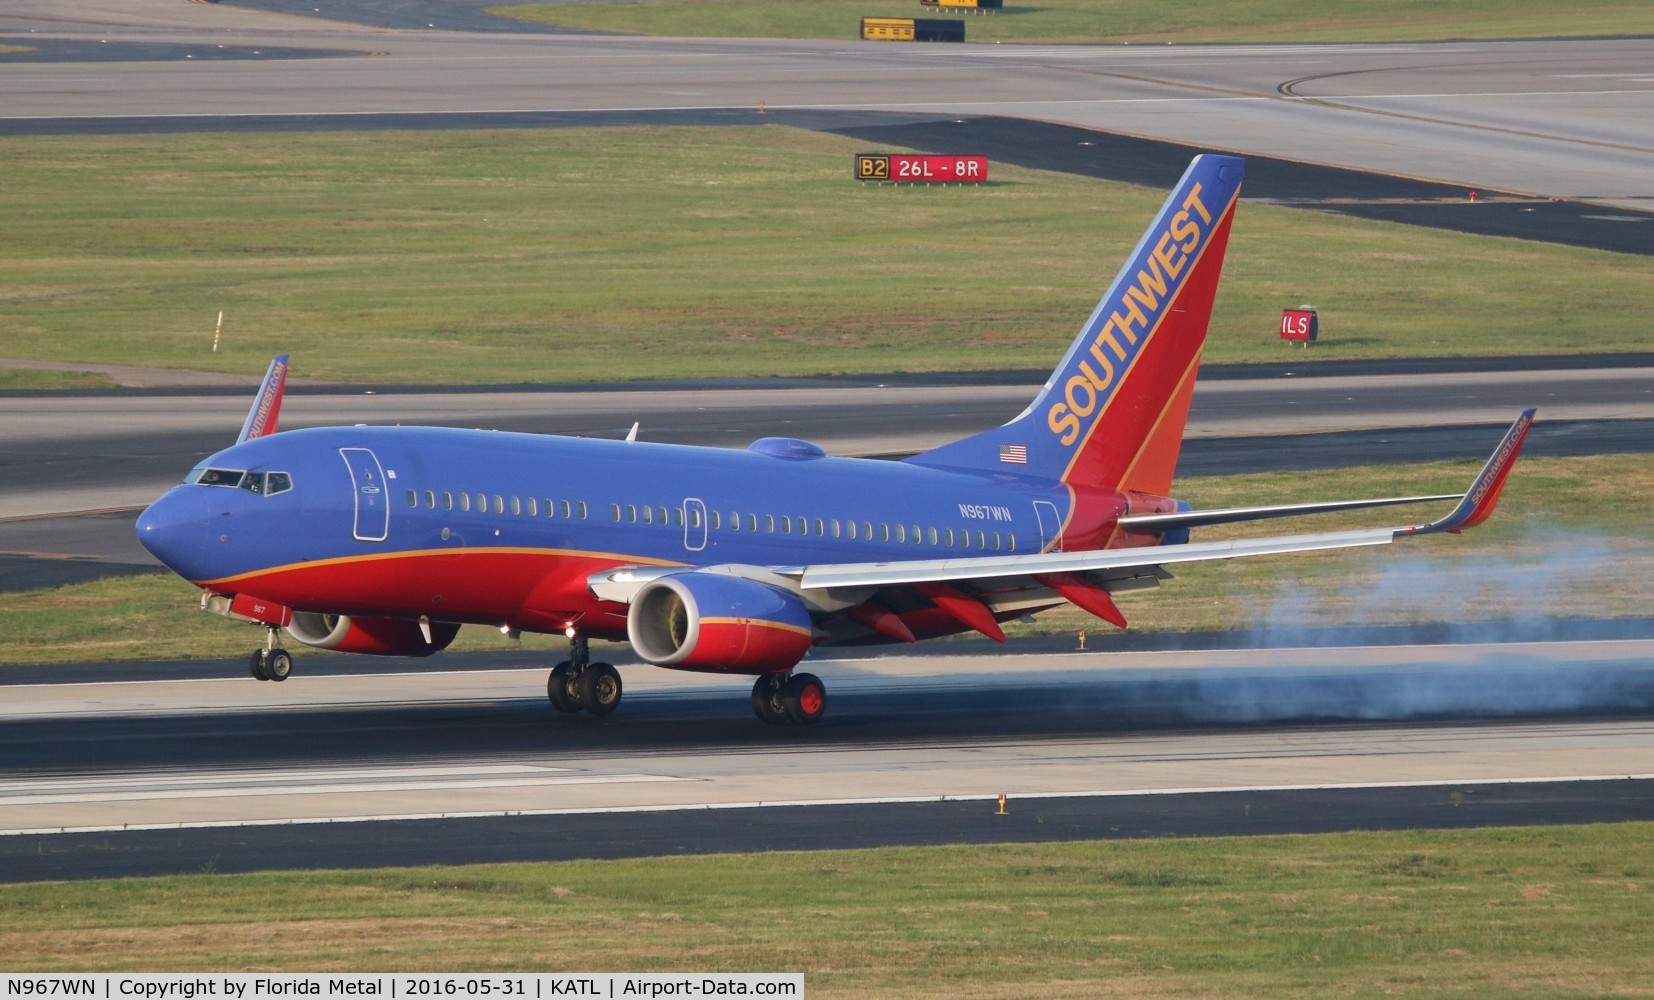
[
  {"x": 374, "y": 636},
  {"x": 718, "y": 623}
]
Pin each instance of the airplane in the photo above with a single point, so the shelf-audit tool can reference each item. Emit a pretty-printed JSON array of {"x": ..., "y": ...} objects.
[{"x": 386, "y": 540}]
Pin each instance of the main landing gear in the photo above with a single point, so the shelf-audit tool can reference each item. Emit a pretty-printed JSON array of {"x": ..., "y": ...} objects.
[
  {"x": 797, "y": 698},
  {"x": 272, "y": 663},
  {"x": 577, "y": 683}
]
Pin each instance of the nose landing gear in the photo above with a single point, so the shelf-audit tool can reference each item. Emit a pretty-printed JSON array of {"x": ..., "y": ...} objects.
[
  {"x": 272, "y": 663},
  {"x": 577, "y": 683},
  {"x": 797, "y": 698}
]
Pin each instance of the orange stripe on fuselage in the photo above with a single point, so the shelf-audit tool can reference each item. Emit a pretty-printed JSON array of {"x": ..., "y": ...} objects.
[{"x": 536, "y": 590}]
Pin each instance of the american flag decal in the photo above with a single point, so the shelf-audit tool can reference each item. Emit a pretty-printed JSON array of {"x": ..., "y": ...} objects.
[{"x": 1015, "y": 454}]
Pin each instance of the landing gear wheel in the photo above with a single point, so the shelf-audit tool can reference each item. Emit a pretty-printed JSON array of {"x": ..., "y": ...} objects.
[
  {"x": 806, "y": 699},
  {"x": 258, "y": 665},
  {"x": 560, "y": 689},
  {"x": 279, "y": 664},
  {"x": 599, "y": 688},
  {"x": 769, "y": 700}
]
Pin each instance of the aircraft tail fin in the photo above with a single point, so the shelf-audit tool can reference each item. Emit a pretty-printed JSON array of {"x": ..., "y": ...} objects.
[
  {"x": 1113, "y": 412},
  {"x": 266, "y": 411}
]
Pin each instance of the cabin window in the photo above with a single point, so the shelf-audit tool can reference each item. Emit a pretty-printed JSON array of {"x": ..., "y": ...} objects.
[
  {"x": 965, "y": 538},
  {"x": 566, "y": 509},
  {"x": 821, "y": 529},
  {"x": 465, "y": 502},
  {"x": 752, "y": 522},
  {"x": 413, "y": 496},
  {"x": 614, "y": 512},
  {"x": 717, "y": 519},
  {"x": 661, "y": 517},
  {"x": 499, "y": 504},
  {"x": 981, "y": 540},
  {"x": 786, "y": 524},
  {"x": 949, "y": 537},
  {"x": 850, "y": 529},
  {"x": 482, "y": 503},
  {"x": 769, "y": 523},
  {"x": 648, "y": 515},
  {"x": 694, "y": 518},
  {"x": 430, "y": 500},
  {"x": 933, "y": 536},
  {"x": 867, "y": 530},
  {"x": 734, "y": 521},
  {"x": 1011, "y": 542},
  {"x": 533, "y": 507},
  {"x": 995, "y": 537},
  {"x": 277, "y": 482},
  {"x": 631, "y": 513},
  {"x": 516, "y": 505},
  {"x": 901, "y": 532},
  {"x": 582, "y": 510},
  {"x": 447, "y": 500},
  {"x": 677, "y": 517}
]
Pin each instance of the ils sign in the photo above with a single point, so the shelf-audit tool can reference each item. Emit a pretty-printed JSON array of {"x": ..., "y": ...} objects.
[{"x": 914, "y": 168}]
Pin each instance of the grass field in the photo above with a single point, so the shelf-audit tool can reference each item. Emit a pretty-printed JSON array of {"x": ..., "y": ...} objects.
[
  {"x": 1116, "y": 20},
  {"x": 1543, "y": 912},
  {"x": 1572, "y": 539},
  {"x": 574, "y": 254},
  {"x": 29, "y": 378}
]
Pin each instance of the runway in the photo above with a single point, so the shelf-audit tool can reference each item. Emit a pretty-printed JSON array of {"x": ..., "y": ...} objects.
[{"x": 1123, "y": 740}]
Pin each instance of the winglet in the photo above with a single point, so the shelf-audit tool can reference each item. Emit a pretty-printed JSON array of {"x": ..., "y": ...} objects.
[
  {"x": 1483, "y": 494},
  {"x": 261, "y": 419}
]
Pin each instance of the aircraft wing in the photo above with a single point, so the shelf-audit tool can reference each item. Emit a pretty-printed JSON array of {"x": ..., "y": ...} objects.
[{"x": 1474, "y": 507}]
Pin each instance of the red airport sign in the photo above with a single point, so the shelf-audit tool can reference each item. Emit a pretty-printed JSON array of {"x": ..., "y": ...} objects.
[
  {"x": 917, "y": 168},
  {"x": 1299, "y": 324}
]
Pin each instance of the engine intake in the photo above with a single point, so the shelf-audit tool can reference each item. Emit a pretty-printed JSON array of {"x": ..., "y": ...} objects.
[
  {"x": 373, "y": 636},
  {"x": 717, "y": 623}
]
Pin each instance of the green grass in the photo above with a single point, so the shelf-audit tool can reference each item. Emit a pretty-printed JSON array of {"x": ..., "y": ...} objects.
[
  {"x": 1115, "y": 20},
  {"x": 1542, "y": 912},
  {"x": 1572, "y": 538},
  {"x": 576, "y": 254},
  {"x": 35, "y": 378}
]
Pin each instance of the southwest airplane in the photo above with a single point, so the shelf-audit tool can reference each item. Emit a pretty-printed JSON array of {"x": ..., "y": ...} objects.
[{"x": 386, "y": 540}]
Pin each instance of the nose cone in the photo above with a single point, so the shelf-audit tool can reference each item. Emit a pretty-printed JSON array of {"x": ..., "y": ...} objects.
[{"x": 175, "y": 529}]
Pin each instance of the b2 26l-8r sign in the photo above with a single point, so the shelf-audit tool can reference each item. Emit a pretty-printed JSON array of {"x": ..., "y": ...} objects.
[{"x": 916, "y": 168}]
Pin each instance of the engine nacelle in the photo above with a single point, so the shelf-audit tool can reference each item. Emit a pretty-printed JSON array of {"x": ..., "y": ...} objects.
[
  {"x": 374, "y": 636},
  {"x": 718, "y": 623}
]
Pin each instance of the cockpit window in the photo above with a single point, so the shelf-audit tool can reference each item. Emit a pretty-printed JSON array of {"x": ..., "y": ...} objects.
[
  {"x": 219, "y": 477},
  {"x": 261, "y": 483}
]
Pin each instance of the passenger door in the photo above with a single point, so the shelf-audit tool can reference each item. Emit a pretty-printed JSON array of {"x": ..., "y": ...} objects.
[
  {"x": 694, "y": 524},
  {"x": 372, "y": 498}
]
